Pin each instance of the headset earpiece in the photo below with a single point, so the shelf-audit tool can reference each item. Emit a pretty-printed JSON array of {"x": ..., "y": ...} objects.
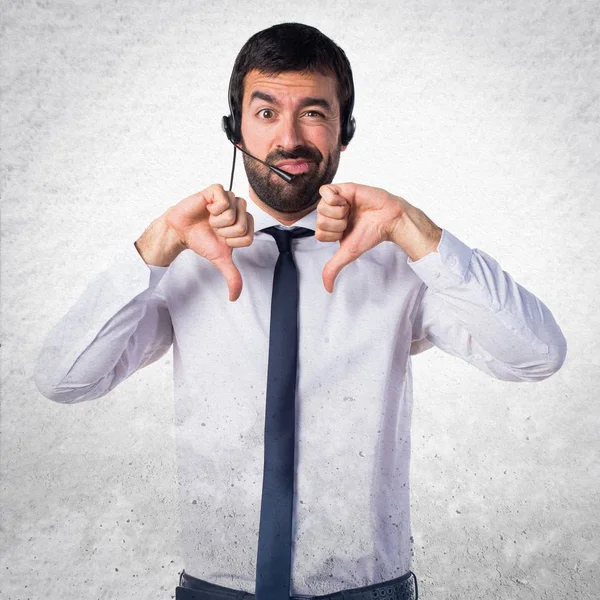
[
  {"x": 349, "y": 125},
  {"x": 348, "y": 132},
  {"x": 228, "y": 126}
]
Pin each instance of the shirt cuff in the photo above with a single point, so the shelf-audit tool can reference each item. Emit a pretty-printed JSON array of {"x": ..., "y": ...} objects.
[{"x": 446, "y": 266}]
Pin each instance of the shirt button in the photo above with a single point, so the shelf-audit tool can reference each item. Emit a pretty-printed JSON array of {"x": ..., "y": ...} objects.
[
  {"x": 436, "y": 274},
  {"x": 452, "y": 261}
]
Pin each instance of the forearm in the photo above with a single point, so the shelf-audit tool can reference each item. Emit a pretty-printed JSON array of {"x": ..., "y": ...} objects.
[
  {"x": 475, "y": 310},
  {"x": 116, "y": 326}
]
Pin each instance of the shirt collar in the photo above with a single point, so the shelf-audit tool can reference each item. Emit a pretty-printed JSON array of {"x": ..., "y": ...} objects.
[{"x": 263, "y": 219}]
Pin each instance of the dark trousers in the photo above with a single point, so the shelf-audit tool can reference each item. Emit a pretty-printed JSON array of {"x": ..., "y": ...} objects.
[{"x": 402, "y": 588}]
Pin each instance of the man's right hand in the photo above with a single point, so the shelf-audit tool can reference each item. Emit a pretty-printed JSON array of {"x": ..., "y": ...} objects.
[{"x": 211, "y": 223}]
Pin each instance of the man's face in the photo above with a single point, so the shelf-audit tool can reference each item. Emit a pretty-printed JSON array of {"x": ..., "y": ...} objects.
[{"x": 292, "y": 121}]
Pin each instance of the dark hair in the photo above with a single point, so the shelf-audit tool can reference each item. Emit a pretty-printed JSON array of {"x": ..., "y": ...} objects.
[{"x": 292, "y": 47}]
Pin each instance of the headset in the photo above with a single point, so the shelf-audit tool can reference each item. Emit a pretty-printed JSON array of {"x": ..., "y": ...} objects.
[{"x": 233, "y": 131}]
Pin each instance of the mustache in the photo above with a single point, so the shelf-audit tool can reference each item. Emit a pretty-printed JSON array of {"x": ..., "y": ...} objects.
[{"x": 299, "y": 152}]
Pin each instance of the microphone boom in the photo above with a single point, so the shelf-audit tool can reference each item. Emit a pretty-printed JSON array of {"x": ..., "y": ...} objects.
[{"x": 287, "y": 177}]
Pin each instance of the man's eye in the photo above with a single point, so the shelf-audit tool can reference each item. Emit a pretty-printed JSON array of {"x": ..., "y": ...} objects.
[
  {"x": 266, "y": 110},
  {"x": 315, "y": 113}
]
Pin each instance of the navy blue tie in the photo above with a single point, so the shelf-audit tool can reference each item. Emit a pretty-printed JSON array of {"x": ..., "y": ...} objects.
[{"x": 273, "y": 562}]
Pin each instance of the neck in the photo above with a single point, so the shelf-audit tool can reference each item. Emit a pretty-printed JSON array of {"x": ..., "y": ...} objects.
[{"x": 286, "y": 219}]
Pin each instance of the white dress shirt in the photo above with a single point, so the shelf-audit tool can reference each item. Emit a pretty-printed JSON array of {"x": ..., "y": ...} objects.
[{"x": 351, "y": 524}]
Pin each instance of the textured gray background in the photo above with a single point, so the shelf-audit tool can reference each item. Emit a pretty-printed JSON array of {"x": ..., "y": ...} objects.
[{"x": 484, "y": 114}]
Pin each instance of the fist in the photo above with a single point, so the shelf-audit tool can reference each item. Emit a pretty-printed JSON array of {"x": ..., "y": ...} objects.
[
  {"x": 332, "y": 215},
  {"x": 211, "y": 223}
]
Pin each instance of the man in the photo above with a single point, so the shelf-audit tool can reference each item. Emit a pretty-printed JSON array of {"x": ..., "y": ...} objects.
[{"x": 377, "y": 282}]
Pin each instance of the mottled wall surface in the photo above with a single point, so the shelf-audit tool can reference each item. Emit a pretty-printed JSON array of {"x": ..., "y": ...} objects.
[{"x": 483, "y": 114}]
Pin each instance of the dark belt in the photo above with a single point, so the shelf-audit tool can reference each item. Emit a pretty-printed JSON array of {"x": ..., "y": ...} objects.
[{"x": 402, "y": 588}]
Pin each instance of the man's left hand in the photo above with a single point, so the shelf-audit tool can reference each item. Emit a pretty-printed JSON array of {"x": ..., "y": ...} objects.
[{"x": 361, "y": 217}]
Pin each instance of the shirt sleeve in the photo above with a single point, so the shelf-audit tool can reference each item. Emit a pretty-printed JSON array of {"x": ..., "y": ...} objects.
[
  {"x": 118, "y": 325},
  {"x": 469, "y": 307}
]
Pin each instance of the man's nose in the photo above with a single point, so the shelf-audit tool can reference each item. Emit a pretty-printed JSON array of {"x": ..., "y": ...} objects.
[{"x": 289, "y": 134}]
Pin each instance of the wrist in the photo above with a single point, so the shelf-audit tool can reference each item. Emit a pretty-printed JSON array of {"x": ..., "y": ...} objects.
[
  {"x": 416, "y": 233},
  {"x": 159, "y": 245}
]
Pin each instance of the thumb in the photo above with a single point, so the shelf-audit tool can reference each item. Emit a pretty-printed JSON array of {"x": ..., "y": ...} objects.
[
  {"x": 333, "y": 267},
  {"x": 232, "y": 276}
]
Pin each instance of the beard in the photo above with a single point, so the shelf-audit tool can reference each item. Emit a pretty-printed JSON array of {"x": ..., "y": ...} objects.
[{"x": 303, "y": 191}]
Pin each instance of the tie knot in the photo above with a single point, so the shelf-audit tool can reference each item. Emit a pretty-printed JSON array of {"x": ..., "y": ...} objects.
[{"x": 283, "y": 237}]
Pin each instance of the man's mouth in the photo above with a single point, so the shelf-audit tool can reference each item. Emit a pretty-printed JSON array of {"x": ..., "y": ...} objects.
[{"x": 296, "y": 167}]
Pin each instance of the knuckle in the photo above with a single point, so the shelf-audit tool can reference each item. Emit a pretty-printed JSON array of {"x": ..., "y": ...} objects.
[
  {"x": 238, "y": 242},
  {"x": 231, "y": 216},
  {"x": 238, "y": 231},
  {"x": 326, "y": 236},
  {"x": 212, "y": 191},
  {"x": 243, "y": 228},
  {"x": 226, "y": 218}
]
